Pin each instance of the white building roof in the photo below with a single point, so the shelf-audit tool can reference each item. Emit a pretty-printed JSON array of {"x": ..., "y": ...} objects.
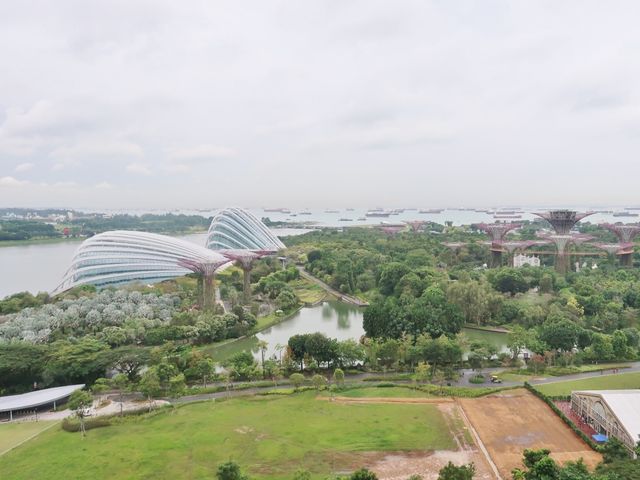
[
  {"x": 625, "y": 404},
  {"x": 37, "y": 398}
]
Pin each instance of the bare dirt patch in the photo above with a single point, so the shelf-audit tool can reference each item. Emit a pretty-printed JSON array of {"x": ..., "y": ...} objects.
[{"x": 509, "y": 423}]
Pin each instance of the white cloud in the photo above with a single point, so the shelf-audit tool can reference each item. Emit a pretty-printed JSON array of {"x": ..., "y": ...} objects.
[
  {"x": 12, "y": 182},
  {"x": 103, "y": 185},
  {"x": 202, "y": 152},
  {"x": 24, "y": 167},
  {"x": 138, "y": 168}
]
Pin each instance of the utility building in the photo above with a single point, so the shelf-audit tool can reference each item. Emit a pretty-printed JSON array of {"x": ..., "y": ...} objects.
[{"x": 614, "y": 413}]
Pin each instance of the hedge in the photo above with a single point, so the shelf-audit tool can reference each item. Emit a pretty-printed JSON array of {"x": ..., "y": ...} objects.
[{"x": 560, "y": 413}]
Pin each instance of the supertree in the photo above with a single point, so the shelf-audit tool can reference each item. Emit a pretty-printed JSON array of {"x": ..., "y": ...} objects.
[
  {"x": 245, "y": 259},
  {"x": 497, "y": 232},
  {"x": 562, "y": 222},
  {"x": 416, "y": 225},
  {"x": 391, "y": 229},
  {"x": 626, "y": 234},
  {"x": 511, "y": 246}
]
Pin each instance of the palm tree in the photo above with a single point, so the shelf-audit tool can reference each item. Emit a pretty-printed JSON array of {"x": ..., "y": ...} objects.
[
  {"x": 279, "y": 349},
  {"x": 262, "y": 345}
]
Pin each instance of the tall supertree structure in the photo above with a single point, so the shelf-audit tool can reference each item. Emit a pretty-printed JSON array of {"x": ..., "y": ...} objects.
[
  {"x": 625, "y": 233},
  {"x": 497, "y": 232},
  {"x": 239, "y": 235},
  {"x": 245, "y": 259},
  {"x": 562, "y": 222},
  {"x": 391, "y": 229}
]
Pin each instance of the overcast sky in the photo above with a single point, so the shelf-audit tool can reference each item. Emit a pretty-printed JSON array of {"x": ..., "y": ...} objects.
[{"x": 319, "y": 103}]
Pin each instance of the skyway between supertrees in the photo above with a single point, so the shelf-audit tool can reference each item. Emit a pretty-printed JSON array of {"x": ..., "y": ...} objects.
[
  {"x": 626, "y": 233},
  {"x": 497, "y": 232},
  {"x": 562, "y": 222}
]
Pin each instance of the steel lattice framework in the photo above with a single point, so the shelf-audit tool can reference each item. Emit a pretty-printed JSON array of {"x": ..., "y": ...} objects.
[
  {"x": 416, "y": 225},
  {"x": 237, "y": 229},
  {"x": 121, "y": 256}
]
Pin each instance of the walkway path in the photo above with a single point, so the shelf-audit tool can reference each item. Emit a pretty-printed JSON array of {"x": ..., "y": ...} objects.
[{"x": 345, "y": 298}]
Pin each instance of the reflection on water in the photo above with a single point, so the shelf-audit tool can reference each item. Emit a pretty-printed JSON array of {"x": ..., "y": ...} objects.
[{"x": 336, "y": 320}]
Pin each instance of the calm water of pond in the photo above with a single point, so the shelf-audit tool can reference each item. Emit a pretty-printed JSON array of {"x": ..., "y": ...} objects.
[{"x": 334, "y": 319}]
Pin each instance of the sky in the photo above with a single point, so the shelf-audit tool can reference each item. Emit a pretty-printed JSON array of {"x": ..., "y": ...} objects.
[{"x": 203, "y": 104}]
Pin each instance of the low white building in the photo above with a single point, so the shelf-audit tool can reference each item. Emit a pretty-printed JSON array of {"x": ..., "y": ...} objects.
[
  {"x": 614, "y": 413},
  {"x": 520, "y": 260}
]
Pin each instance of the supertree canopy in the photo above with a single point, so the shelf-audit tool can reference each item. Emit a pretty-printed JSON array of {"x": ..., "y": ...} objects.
[
  {"x": 563, "y": 221},
  {"x": 626, "y": 233}
]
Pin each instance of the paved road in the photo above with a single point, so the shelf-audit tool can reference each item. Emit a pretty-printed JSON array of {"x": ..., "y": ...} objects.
[{"x": 357, "y": 379}]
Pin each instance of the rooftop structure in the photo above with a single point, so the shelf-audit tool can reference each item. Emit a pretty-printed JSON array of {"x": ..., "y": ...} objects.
[
  {"x": 497, "y": 232},
  {"x": 391, "y": 229},
  {"x": 614, "y": 413},
  {"x": 121, "y": 256},
  {"x": 242, "y": 237},
  {"x": 238, "y": 229},
  {"x": 26, "y": 401}
]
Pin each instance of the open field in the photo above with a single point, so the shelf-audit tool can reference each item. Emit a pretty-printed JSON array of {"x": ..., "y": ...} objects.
[
  {"x": 509, "y": 422},
  {"x": 12, "y": 434},
  {"x": 269, "y": 437},
  {"x": 386, "y": 392},
  {"x": 617, "y": 381}
]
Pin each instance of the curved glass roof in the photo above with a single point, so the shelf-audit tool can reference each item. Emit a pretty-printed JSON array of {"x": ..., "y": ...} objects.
[
  {"x": 238, "y": 229},
  {"x": 124, "y": 256}
]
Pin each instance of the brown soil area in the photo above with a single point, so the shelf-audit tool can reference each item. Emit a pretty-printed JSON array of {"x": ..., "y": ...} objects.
[
  {"x": 510, "y": 422},
  {"x": 427, "y": 464}
]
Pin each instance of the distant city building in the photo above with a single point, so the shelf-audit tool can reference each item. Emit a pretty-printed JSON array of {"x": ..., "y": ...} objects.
[
  {"x": 614, "y": 413},
  {"x": 521, "y": 260}
]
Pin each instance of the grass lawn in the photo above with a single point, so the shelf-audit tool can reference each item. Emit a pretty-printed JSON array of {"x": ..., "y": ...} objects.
[
  {"x": 308, "y": 292},
  {"x": 386, "y": 392},
  {"x": 269, "y": 437},
  {"x": 604, "y": 382},
  {"x": 12, "y": 434}
]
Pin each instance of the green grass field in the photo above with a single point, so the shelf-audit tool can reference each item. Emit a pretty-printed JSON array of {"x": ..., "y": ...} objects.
[
  {"x": 604, "y": 382},
  {"x": 270, "y": 437},
  {"x": 386, "y": 392},
  {"x": 12, "y": 434}
]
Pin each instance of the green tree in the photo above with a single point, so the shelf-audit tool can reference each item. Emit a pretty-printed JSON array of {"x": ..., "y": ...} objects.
[
  {"x": 453, "y": 472},
  {"x": 80, "y": 401},
  {"x": 297, "y": 379},
  {"x": 230, "y": 471},
  {"x": 149, "y": 385},
  {"x": 338, "y": 377},
  {"x": 517, "y": 340},
  {"x": 205, "y": 368},
  {"x": 363, "y": 474},
  {"x": 509, "y": 280},
  {"x": 319, "y": 381},
  {"x": 122, "y": 384}
]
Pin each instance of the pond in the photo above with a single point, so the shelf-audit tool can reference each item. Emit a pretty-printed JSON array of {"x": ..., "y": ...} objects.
[{"x": 333, "y": 318}]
